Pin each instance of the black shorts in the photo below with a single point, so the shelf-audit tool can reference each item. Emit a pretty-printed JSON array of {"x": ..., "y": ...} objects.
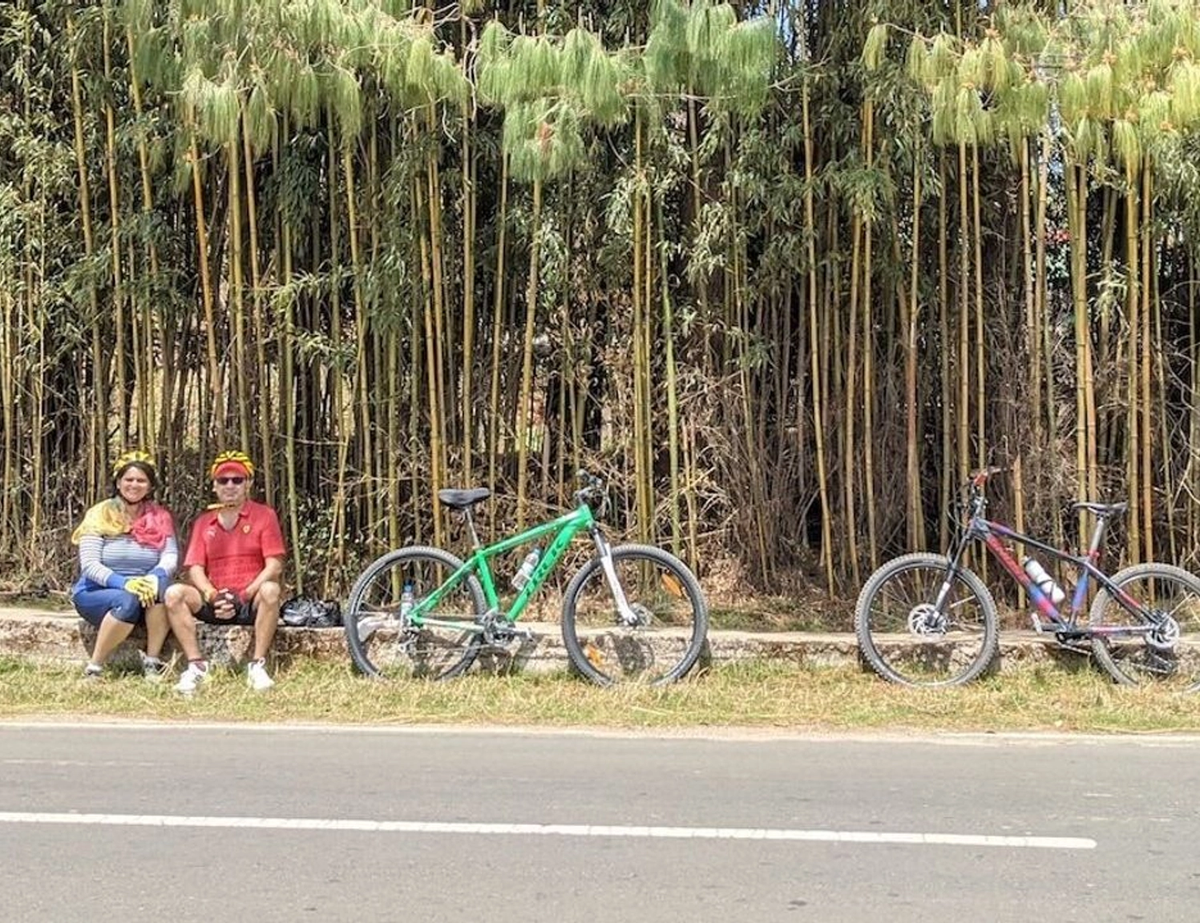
[{"x": 243, "y": 614}]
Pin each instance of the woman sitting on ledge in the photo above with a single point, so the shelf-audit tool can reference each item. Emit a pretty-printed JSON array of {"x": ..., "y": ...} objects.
[{"x": 127, "y": 555}]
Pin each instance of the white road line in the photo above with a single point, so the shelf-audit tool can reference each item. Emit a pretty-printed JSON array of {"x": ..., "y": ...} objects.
[{"x": 573, "y": 830}]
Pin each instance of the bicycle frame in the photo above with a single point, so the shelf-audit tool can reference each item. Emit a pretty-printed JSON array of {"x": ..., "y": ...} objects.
[
  {"x": 992, "y": 534},
  {"x": 565, "y": 528}
]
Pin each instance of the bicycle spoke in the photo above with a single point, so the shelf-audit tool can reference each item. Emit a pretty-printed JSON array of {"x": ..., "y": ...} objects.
[
  {"x": 660, "y": 636},
  {"x": 1164, "y": 646},
  {"x": 383, "y": 641},
  {"x": 907, "y": 638}
]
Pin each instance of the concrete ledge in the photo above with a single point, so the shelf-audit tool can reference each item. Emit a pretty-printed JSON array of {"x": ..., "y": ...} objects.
[{"x": 66, "y": 638}]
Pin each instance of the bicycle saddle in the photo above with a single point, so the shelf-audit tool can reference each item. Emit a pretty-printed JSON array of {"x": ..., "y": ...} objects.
[
  {"x": 1101, "y": 509},
  {"x": 462, "y": 499}
]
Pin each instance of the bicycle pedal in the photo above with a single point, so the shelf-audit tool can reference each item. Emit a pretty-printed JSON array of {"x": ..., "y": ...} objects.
[
  {"x": 1037, "y": 623},
  {"x": 502, "y": 639}
]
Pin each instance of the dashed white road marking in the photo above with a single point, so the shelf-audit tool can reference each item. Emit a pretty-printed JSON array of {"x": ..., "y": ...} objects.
[{"x": 568, "y": 830}]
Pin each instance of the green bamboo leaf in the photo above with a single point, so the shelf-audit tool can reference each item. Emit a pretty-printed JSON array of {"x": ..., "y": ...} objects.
[
  {"x": 875, "y": 46},
  {"x": 138, "y": 15},
  {"x": 943, "y": 55},
  {"x": 193, "y": 96},
  {"x": 1154, "y": 113},
  {"x": 493, "y": 62},
  {"x": 972, "y": 69},
  {"x": 259, "y": 119},
  {"x": 708, "y": 29},
  {"x": 944, "y": 118},
  {"x": 1127, "y": 147},
  {"x": 967, "y": 111},
  {"x": 1085, "y": 140},
  {"x": 419, "y": 72},
  {"x": 666, "y": 56},
  {"x": 1184, "y": 87},
  {"x": 1099, "y": 83},
  {"x": 220, "y": 116},
  {"x": 997, "y": 74},
  {"x": 1072, "y": 98},
  {"x": 306, "y": 96},
  {"x": 345, "y": 97},
  {"x": 917, "y": 62}
]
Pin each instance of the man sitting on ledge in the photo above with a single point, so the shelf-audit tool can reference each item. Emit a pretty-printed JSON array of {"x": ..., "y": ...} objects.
[{"x": 233, "y": 564}]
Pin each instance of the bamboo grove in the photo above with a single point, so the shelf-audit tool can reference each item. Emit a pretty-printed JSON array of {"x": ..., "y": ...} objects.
[{"x": 782, "y": 272}]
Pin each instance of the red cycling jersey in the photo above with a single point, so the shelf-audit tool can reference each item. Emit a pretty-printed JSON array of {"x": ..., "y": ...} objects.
[{"x": 234, "y": 557}]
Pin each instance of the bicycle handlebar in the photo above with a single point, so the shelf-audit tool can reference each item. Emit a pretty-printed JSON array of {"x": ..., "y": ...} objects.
[
  {"x": 978, "y": 478},
  {"x": 591, "y": 489},
  {"x": 972, "y": 491}
]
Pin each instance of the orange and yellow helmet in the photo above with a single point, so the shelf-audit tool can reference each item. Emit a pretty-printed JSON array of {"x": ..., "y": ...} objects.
[
  {"x": 133, "y": 457},
  {"x": 233, "y": 460}
]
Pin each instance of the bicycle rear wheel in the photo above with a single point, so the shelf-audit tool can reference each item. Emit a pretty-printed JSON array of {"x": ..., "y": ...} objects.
[
  {"x": 1168, "y": 652},
  {"x": 382, "y": 641},
  {"x": 671, "y": 611},
  {"x": 904, "y": 636}
]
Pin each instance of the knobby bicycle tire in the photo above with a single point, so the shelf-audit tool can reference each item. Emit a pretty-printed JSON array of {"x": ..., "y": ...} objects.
[
  {"x": 905, "y": 640},
  {"x": 384, "y": 644},
  {"x": 1165, "y": 656},
  {"x": 662, "y": 591}
]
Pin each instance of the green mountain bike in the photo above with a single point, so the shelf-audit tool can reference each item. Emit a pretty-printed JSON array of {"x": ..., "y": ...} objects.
[{"x": 631, "y": 613}]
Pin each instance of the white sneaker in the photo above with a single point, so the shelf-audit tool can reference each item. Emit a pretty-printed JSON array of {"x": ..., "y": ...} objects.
[
  {"x": 256, "y": 676},
  {"x": 190, "y": 678}
]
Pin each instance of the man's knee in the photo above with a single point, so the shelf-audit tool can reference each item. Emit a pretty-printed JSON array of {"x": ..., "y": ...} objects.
[
  {"x": 175, "y": 596},
  {"x": 269, "y": 594}
]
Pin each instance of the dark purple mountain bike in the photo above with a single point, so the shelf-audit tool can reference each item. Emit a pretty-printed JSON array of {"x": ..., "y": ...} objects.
[{"x": 928, "y": 620}]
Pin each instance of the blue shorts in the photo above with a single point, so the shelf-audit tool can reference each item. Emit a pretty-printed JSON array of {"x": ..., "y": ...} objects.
[{"x": 93, "y": 605}]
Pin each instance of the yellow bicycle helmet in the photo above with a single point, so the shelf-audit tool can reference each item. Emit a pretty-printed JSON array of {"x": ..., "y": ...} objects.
[
  {"x": 232, "y": 457},
  {"x": 132, "y": 457}
]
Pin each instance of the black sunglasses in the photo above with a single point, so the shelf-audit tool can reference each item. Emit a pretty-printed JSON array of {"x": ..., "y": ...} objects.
[{"x": 231, "y": 480}]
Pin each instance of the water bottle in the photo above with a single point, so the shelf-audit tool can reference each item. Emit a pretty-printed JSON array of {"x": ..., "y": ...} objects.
[
  {"x": 521, "y": 577},
  {"x": 408, "y": 599},
  {"x": 1045, "y": 582}
]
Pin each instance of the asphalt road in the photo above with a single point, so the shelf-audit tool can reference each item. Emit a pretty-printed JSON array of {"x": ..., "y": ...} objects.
[{"x": 186, "y": 823}]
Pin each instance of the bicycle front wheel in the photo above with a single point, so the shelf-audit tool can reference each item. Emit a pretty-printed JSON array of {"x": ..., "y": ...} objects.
[
  {"x": 383, "y": 642},
  {"x": 666, "y": 607},
  {"x": 1161, "y": 647},
  {"x": 907, "y": 638}
]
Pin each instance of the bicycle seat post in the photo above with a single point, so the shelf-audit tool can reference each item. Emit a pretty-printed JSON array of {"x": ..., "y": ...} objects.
[
  {"x": 468, "y": 515},
  {"x": 1098, "y": 535}
]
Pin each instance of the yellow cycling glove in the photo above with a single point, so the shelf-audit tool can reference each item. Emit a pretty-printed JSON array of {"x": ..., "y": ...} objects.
[{"x": 144, "y": 588}]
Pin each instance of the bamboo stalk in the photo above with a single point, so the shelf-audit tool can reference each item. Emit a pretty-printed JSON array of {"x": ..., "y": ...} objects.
[
  {"x": 97, "y": 439},
  {"x": 114, "y": 207},
  {"x": 524, "y": 409},
  {"x": 215, "y": 414},
  {"x": 237, "y": 293},
  {"x": 816, "y": 372},
  {"x": 495, "y": 439}
]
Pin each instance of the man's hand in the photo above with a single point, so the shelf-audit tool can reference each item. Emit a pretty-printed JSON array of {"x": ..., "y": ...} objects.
[
  {"x": 224, "y": 604},
  {"x": 144, "y": 588}
]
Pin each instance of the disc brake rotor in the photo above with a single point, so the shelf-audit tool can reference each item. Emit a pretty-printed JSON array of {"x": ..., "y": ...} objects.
[{"x": 925, "y": 620}]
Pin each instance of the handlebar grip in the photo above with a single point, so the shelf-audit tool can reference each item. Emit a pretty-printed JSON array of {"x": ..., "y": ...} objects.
[{"x": 979, "y": 477}]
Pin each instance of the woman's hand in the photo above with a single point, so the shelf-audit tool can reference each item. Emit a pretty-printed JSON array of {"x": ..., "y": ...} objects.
[{"x": 144, "y": 588}]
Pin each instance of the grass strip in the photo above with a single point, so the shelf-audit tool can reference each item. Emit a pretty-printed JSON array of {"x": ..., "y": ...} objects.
[{"x": 760, "y": 696}]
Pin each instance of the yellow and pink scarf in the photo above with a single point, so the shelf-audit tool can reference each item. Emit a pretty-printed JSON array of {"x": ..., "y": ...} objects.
[{"x": 152, "y": 527}]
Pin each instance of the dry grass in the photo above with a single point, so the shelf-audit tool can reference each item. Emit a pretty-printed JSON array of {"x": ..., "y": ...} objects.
[{"x": 762, "y": 696}]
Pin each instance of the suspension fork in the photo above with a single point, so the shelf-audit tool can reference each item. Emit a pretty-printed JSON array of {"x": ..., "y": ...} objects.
[
  {"x": 952, "y": 569},
  {"x": 604, "y": 552}
]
